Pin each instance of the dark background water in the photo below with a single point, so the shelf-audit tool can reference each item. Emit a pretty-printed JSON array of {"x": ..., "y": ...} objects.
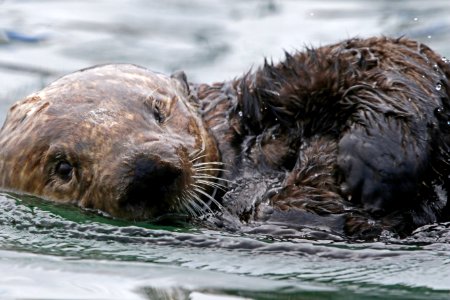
[{"x": 50, "y": 251}]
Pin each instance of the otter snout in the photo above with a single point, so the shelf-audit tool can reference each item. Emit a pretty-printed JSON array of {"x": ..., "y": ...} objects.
[
  {"x": 153, "y": 185},
  {"x": 153, "y": 177}
]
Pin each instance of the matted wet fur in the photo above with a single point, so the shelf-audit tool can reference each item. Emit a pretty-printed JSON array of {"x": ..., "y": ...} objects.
[{"x": 351, "y": 137}]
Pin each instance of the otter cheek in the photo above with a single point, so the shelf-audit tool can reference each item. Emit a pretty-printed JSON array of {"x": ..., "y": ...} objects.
[
  {"x": 29, "y": 175},
  {"x": 203, "y": 139}
]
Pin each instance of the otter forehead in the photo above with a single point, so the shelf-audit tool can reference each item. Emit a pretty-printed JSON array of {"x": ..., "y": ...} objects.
[
  {"x": 101, "y": 96},
  {"x": 101, "y": 102},
  {"x": 111, "y": 83}
]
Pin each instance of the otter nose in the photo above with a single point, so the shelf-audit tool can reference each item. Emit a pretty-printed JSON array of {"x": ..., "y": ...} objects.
[
  {"x": 153, "y": 180},
  {"x": 155, "y": 172}
]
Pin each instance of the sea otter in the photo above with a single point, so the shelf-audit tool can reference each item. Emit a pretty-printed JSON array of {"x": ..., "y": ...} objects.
[{"x": 354, "y": 136}]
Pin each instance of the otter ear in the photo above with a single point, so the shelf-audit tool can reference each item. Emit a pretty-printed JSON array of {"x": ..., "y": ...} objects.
[{"x": 180, "y": 76}]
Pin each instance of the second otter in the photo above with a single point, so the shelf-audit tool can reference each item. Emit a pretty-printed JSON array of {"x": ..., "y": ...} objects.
[{"x": 356, "y": 134}]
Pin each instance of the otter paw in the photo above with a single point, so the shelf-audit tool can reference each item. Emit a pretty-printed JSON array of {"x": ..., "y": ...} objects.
[
  {"x": 377, "y": 172},
  {"x": 362, "y": 183}
]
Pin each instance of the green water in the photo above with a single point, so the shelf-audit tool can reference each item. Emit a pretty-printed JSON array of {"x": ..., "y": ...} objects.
[{"x": 50, "y": 251}]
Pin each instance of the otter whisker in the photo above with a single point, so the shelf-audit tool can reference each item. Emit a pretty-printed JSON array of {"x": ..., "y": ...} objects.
[
  {"x": 185, "y": 204},
  {"x": 190, "y": 211},
  {"x": 187, "y": 209},
  {"x": 211, "y": 184},
  {"x": 219, "y": 206},
  {"x": 203, "y": 207},
  {"x": 197, "y": 154},
  {"x": 182, "y": 204},
  {"x": 200, "y": 190},
  {"x": 198, "y": 157},
  {"x": 199, "y": 200},
  {"x": 197, "y": 208},
  {"x": 206, "y": 165},
  {"x": 207, "y": 176},
  {"x": 210, "y": 169},
  {"x": 209, "y": 163}
]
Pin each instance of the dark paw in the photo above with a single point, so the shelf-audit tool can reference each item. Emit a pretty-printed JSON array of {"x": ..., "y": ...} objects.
[
  {"x": 378, "y": 171},
  {"x": 364, "y": 184}
]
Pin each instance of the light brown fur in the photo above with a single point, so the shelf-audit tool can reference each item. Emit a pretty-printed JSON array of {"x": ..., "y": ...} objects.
[{"x": 101, "y": 120}]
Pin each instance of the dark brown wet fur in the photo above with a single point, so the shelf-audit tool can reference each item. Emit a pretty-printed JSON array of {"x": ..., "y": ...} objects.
[{"x": 358, "y": 129}]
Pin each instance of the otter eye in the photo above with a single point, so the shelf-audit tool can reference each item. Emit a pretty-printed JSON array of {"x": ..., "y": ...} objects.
[{"x": 64, "y": 170}]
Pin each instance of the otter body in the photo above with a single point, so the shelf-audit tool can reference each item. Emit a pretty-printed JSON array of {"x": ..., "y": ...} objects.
[{"x": 353, "y": 135}]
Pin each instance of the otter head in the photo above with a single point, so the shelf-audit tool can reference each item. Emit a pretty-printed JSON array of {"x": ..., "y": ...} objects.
[{"x": 118, "y": 138}]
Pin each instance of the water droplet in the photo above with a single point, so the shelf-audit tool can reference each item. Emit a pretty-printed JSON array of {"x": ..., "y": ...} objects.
[
  {"x": 276, "y": 119},
  {"x": 416, "y": 19},
  {"x": 448, "y": 123},
  {"x": 429, "y": 37},
  {"x": 440, "y": 110},
  {"x": 438, "y": 87},
  {"x": 409, "y": 99},
  {"x": 273, "y": 137},
  {"x": 240, "y": 114}
]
